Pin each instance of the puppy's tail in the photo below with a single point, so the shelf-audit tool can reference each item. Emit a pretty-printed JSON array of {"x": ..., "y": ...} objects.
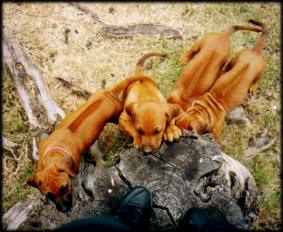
[
  {"x": 139, "y": 67},
  {"x": 235, "y": 28},
  {"x": 125, "y": 83},
  {"x": 260, "y": 44}
]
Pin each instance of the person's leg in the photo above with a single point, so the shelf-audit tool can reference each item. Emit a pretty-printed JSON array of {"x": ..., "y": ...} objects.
[
  {"x": 135, "y": 208},
  {"x": 99, "y": 223}
]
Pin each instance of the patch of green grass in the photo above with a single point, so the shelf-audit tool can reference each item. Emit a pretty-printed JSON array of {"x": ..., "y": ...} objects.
[
  {"x": 168, "y": 71},
  {"x": 271, "y": 76},
  {"x": 272, "y": 202},
  {"x": 112, "y": 140},
  {"x": 16, "y": 129},
  {"x": 15, "y": 123}
]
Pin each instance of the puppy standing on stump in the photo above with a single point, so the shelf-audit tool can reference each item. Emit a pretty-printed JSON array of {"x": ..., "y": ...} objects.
[
  {"x": 240, "y": 76},
  {"x": 60, "y": 153},
  {"x": 147, "y": 117},
  {"x": 203, "y": 65}
]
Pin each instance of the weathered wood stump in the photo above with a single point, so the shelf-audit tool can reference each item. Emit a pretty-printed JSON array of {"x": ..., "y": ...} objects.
[{"x": 190, "y": 172}]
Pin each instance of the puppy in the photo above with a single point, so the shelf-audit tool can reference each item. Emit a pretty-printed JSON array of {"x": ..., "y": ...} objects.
[
  {"x": 241, "y": 75},
  {"x": 146, "y": 116},
  {"x": 203, "y": 64},
  {"x": 59, "y": 154}
]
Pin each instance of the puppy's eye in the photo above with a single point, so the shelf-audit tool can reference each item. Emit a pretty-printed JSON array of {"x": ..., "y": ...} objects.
[
  {"x": 156, "y": 132},
  {"x": 140, "y": 131},
  {"x": 63, "y": 189}
]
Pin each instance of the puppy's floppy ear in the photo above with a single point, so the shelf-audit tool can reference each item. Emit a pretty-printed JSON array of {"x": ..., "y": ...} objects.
[
  {"x": 172, "y": 111},
  {"x": 131, "y": 109},
  {"x": 69, "y": 166},
  {"x": 33, "y": 181}
]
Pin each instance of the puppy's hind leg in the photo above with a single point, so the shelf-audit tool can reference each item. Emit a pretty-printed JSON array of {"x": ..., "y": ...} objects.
[{"x": 188, "y": 55}]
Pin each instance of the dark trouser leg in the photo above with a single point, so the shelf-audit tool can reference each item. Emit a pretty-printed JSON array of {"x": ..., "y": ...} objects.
[{"x": 99, "y": 223}]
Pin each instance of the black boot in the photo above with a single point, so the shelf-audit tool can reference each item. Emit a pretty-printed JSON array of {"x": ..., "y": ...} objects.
[{"x": 136, "y": 207}]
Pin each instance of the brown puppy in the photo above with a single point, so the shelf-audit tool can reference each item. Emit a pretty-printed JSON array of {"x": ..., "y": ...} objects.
[
  {"x": 59, "y": 154},
  {"x": 242, "y": 74},
  {"x": 147, "y": 117},
  {"x": 203, "y": 64}
]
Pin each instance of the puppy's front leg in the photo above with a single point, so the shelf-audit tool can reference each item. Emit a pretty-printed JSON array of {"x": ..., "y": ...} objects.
[
  {"x": 127, "y": 125},
  {"x": 172, "y": 132}
]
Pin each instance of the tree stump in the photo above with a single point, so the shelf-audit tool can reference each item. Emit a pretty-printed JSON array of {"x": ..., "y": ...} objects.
[{"x": 188, "y": 173}]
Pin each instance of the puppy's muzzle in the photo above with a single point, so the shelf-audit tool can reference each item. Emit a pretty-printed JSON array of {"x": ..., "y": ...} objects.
[
  {"x": 63, "y": 205},
  {"x": 147, "y": 149}
]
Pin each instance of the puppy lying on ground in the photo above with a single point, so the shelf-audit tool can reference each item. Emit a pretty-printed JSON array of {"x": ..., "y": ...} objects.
[
  {"x": 203, "y": 64},
  {"x": 59, "y": 154},
  {"x": 147, "y": 117},
  {"x": 241, "y": 75}
]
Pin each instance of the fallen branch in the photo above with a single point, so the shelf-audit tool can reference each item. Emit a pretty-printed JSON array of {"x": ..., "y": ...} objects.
[
  {"x": 8, "y": 144},
  {"x": 14, "y": 57},
  {"x": 252, "y": 152},
  {"x": 87, "y": 11},
  {"x": 140, "y": 29},
  {"x": 10, "y": 61},
  {"x": 114, "y": 31},
  {"x": 75, "y": 89}
]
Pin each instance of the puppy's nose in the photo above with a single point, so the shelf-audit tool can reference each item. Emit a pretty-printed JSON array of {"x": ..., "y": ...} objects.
[{"x": 147, "y": 149}]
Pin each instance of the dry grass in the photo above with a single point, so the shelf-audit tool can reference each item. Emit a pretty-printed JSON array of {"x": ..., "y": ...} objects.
[{"x": 40, "y": 28}]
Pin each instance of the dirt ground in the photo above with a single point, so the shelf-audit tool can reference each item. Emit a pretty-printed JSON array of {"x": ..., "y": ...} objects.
[{"x": 68, "y": 43}]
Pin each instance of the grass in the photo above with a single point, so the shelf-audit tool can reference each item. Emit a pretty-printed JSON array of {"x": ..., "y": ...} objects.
[
  {"x": 263, "y": 108},
  {"x": 17, "y": 167}
]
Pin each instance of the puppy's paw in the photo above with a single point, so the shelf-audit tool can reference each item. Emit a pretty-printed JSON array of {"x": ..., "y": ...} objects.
[
  {"x": 172, "y": 133},
  {"x": 253, "y": 89}
]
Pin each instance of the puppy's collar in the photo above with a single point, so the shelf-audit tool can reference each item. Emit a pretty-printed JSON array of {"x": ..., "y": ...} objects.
[{"x": 65, "y": 151}]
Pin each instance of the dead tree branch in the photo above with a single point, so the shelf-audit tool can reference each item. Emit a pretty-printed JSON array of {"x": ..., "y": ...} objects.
[
  {"x": 14, "y": 56},
  {"x": 10, "y": 60},
  {"x": 115, "y": 31},
  {"x": 150, "y": 29},
  {"x": 87, "y": 11},
  {"x": 75, "y": 89}
]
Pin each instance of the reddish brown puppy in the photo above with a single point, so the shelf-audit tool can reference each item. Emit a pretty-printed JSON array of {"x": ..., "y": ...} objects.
[
  {"x": 147, "y": 117},
  {"x": 203, "y": 64},
  {"x": 241, "y": 75},
  {"x": 59, "y": 154}
]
